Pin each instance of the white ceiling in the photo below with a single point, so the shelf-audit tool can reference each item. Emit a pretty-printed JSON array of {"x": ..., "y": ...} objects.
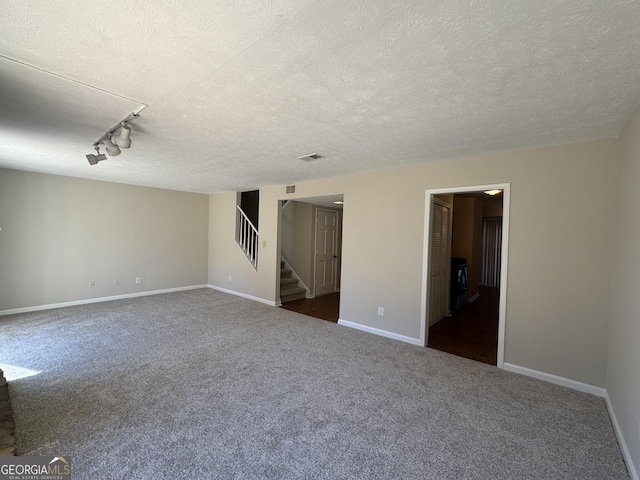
[
  {"x": 323, "y": 200},
  {"x": 238, "y": 89}
]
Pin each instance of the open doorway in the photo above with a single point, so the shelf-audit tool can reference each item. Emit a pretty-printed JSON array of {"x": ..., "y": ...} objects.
[
  {"x": 311, "y": 256},
  {"x": 464, "y": 277}
]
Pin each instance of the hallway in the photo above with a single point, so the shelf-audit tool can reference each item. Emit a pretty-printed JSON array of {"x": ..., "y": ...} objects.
[
  {"x": 325, "y": 307},
  {"x": 473, "y": 332}
]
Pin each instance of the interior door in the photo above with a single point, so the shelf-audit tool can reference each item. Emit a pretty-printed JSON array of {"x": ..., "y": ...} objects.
[
  {"x": 326, "y": 251},
  {"x": 440, "y": 262}
]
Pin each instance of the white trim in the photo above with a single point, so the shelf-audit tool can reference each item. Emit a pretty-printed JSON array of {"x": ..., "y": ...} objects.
[
  {"x": 244, "y": 295},
  {"x": 562, "y": 381},
  {"x": 506, "y": 200},
  {"x": 382, "y": 333},
  {"x": 97, "y": 300},
  {"x": 473, "y": 298},
  {"x": 586, "y": 388},
  {"x": 502, "y": 313},
  {"x": 633, "y": 473}
]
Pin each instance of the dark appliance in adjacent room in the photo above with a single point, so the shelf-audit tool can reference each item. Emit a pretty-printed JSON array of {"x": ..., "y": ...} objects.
[{"x": 459, "y": 283}]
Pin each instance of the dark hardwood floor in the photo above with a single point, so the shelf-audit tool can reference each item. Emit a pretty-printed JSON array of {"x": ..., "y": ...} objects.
[
  {"x": 325, "y": 307},
  {"x": 473, "y": 332}
]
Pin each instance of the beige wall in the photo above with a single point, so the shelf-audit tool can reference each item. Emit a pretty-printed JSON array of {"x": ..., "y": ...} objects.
[
  {"x": 228, "y": 267},
  {"x": 623, "y": 352},
  {"x": 447, "y": 198},
  {"x": 60, "y": 233},
  {"x": 492, "y": 210},
  {"x": 462, "y": 236},
  {"x": 559, "y": 258},
  {"x": 467, "y": 238}
]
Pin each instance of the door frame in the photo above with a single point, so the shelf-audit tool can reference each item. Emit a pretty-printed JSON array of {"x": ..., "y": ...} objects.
[{"x": 426, "y": 257}]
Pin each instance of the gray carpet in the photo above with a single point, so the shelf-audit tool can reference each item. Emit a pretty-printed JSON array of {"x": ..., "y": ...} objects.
[{"x": 202, "y": 384}]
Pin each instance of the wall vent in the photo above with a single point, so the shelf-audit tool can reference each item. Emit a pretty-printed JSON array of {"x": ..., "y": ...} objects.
[
  {"x": 311, "y": 156},
  {"x": 291, "y": 189}
]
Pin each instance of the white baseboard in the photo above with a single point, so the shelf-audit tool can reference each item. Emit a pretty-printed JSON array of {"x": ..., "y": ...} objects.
[
  {"x": 382, "y": 333},
  {"x": 633, "y": 473},
  {"x": 97, "y": 300},
  {"x": 548, "y": 377},
  {"x": 583, "y": 387},
  {"x": 244, "y": 295}
]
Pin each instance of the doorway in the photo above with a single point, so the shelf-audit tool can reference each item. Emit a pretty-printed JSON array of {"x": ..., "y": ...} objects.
[
  {"x": 311, "y": 253},
  {"x": 476, "y": 319}
]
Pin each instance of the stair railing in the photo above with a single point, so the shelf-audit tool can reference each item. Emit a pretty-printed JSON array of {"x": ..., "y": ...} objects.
[{"x": 247, "y": 238}]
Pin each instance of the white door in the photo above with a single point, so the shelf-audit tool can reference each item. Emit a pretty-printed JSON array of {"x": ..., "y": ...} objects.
[
  {"x": 440, "y": 262},
  {"x": 326, "y": 251}
]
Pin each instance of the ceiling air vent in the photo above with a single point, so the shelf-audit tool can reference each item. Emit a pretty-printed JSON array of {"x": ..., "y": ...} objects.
[
  {"x": 311, "y": 156},
  {"x": 291, "y": 189}
]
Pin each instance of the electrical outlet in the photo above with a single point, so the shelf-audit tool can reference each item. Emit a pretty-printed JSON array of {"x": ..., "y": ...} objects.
[
  {"x": 138, "y": 280},
  {"x": 380, "y": 311},
  {"x": 116, "y": 282},
  {"x": 92, "y": 284},
  {"x": 229, "y": 277}
]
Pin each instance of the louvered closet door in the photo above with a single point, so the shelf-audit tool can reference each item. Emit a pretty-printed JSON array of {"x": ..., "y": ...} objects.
[
  {"x": 491, "y": 251},
  {"x": 439, "y": 279}
]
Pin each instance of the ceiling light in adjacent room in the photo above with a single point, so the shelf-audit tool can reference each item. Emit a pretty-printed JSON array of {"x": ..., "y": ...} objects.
[
  {"x": 492, "y": 192},
  {"x": 339, "y": 202}
]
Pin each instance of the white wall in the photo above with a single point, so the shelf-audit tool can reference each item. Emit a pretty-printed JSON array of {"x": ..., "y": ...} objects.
[
  {"x": 623, "y": 352},
  {"x": 60, "y": 233},
  {"x": 559, "y": 260}
]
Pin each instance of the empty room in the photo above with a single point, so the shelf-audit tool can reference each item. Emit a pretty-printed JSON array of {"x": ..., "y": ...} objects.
[{"x": 171, "y": 174}]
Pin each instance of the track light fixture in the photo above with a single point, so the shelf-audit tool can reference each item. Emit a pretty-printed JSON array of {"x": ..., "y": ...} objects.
[
  {"x": 112, "y": 149},
  {"x": 114, "y": 142},
  {"x": 94, "y": 159},
  {"x": 123, "y": 140}
]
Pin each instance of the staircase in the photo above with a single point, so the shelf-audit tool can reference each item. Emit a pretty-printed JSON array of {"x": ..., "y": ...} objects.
[
  {"x": 289, "y": 288},
  {"x": 247, "y": 237}
]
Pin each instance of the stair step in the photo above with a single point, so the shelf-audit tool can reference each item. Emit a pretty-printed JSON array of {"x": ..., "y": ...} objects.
[
  {"x": 290, "y": 288},
  {"x": 288, "y": 281},
  {"x": 292, "y": 294},
  {"x": 285, "y": 272}
]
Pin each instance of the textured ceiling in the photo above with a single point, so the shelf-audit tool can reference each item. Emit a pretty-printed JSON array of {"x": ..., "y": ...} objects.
[{"x": 238, "y": 89}]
